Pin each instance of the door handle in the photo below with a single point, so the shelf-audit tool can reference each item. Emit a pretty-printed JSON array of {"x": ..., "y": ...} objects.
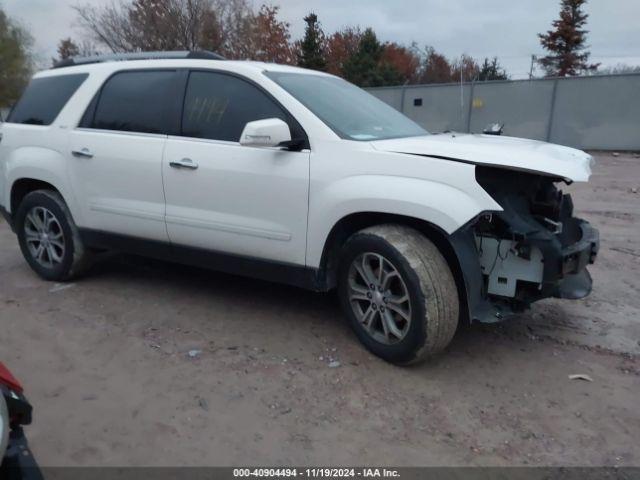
[
  {"x": 184, "y": 163},
  {"x": 84, "y": 153}
]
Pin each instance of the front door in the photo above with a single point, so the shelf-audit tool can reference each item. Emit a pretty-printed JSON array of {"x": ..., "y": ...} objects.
[{"x": 229, "y": 198}]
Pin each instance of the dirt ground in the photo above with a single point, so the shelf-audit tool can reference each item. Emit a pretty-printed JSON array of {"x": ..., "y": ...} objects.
[{"x": 106, "y": 363}]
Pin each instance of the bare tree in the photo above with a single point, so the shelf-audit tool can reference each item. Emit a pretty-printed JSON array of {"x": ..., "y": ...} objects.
[
  {"x": 436, "y": 68},
  {"x": 465, "y": 69},
  {"x": 144, "y": 25},
  {"x": 107, "y": 25},
  {"x": 236, "y": 19},
  {"x": 229, "y": 27},
  {"x": 619, "y": 69}
]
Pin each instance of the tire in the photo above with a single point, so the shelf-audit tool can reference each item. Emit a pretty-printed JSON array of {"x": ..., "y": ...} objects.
[
  {"x": 426, "y": 321},
  {"x": 64, "y": 263},
  {"x": 4, "y": 427}
]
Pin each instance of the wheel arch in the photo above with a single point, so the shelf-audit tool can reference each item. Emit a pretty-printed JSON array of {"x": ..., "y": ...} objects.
[
  {"x": 33, "y": 168},
  {"x": 355, "y": 222},
  {"x": 22, "y": 187}
]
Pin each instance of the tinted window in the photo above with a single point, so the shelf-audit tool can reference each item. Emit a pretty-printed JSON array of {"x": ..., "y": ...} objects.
[
  {"x": 218, "y": 106},
  {"x": 44, "y": 98},
  {"x": 138, "y": 102}
]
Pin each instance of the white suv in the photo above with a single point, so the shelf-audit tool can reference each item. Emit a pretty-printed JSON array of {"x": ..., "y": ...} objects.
[{"x": 294, "y": 176}]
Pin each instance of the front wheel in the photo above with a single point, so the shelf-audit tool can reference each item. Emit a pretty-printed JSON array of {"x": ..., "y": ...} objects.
[
  {"x": 49, "y": 238},
  {"x": 398, "y": 293}
]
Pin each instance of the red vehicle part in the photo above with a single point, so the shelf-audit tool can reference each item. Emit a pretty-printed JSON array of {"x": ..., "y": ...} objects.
[{"x": 7, "y": 379}]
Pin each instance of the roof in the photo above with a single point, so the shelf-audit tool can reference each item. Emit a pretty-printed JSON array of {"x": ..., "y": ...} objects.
[{"x": 178, "y": 59}]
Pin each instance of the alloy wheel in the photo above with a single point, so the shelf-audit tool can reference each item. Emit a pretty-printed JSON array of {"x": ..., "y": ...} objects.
[
  {"x": 44, "y": 237},
  {"x": 379, "y": 298}
]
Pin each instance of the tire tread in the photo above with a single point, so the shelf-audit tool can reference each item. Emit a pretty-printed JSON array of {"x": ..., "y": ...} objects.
[
  {"x": 82, "y": 258},
  {"x": 436, "y": 282}
]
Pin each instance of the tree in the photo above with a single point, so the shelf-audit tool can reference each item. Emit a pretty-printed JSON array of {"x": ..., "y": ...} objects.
[
  {"x": 15, "y": 60},
  {"x": 436, "y": 68},
  {"x": 567, "y": 42},
  {"x": 341, "y": 46},
  {"x": 491, "y": 70},
  {"x": 404, "y": 60},
  {"x": 67, "y": 48},
  {"x": 619, "y": 69},
  {"x": 235, "y": 19},
  {"x": 270, "y": 37},
  {"x": 367, "y": 68},
  {"x": 150, "y": 26},
  {"x": 312, "y": 51},
  {"x": 465, "y": 69},
  {"x": 229, "y": 27},
  {"x": 143, "y": 25}
]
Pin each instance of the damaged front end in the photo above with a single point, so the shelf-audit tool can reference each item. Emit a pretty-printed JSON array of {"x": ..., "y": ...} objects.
[{"x": 535, "y": 248}]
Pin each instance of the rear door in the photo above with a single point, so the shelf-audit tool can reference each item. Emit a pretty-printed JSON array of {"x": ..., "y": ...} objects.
[{"x": 115, "y": 155}]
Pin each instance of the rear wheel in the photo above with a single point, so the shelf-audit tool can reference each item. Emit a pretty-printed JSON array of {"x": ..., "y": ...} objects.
[
  {"x": 398, "y": 293},
  {"x": 49, "y": 238}
]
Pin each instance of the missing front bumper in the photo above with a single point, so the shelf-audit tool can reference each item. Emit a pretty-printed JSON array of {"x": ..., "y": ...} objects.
[{"x": 503, "y": 280}]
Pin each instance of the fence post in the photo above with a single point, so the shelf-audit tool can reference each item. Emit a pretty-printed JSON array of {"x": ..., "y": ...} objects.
[
  {"x": 402, "y": 95},
  {"x": 470, "y": 108},
  {"x": 552, "y": 109}
]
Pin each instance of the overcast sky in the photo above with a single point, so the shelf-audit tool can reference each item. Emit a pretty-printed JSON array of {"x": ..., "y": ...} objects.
[{"x": 485, "y": 28}]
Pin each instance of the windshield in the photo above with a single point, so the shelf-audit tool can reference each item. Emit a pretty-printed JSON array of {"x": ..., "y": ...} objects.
[{"x": 348, "y": 110}]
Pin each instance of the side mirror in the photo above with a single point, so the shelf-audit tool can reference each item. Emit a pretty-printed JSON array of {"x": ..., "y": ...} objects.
[{"x": 271, "y": 132}]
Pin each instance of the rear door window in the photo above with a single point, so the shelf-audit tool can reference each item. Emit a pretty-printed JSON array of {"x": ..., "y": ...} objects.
[
  {"x": 139, "y": 101},
  {"x": 44, "y": 98}
]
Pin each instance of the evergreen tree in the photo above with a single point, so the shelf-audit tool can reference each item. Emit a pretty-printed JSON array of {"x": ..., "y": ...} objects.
[
  {"x": 67, "y": 48},
  {"x": 491, "y": 70},
  {"x": 366, "y": 67},
  {"x": 566, "y": 43},
  {"x": 312, "y": 54}
]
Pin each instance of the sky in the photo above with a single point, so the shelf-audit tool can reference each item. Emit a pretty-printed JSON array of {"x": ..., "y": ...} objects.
[{"x": 481, "y": 28}]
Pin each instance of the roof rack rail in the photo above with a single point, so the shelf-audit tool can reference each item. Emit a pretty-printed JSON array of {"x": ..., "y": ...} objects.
[{"x": 123, "y": 57}]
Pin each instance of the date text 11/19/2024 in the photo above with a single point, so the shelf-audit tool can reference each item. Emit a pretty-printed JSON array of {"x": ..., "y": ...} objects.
[{"x": 315, "y": 473}]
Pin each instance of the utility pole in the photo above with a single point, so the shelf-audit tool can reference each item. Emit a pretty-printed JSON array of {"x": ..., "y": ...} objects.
[{"x": 533, "y": 61}]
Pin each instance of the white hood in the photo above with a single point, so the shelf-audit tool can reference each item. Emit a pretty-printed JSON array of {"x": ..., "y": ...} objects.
[{"x": 492, "y": 150}]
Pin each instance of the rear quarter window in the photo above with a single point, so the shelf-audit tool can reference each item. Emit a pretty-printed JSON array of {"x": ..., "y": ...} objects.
[{"x": 44, "y": 98}]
